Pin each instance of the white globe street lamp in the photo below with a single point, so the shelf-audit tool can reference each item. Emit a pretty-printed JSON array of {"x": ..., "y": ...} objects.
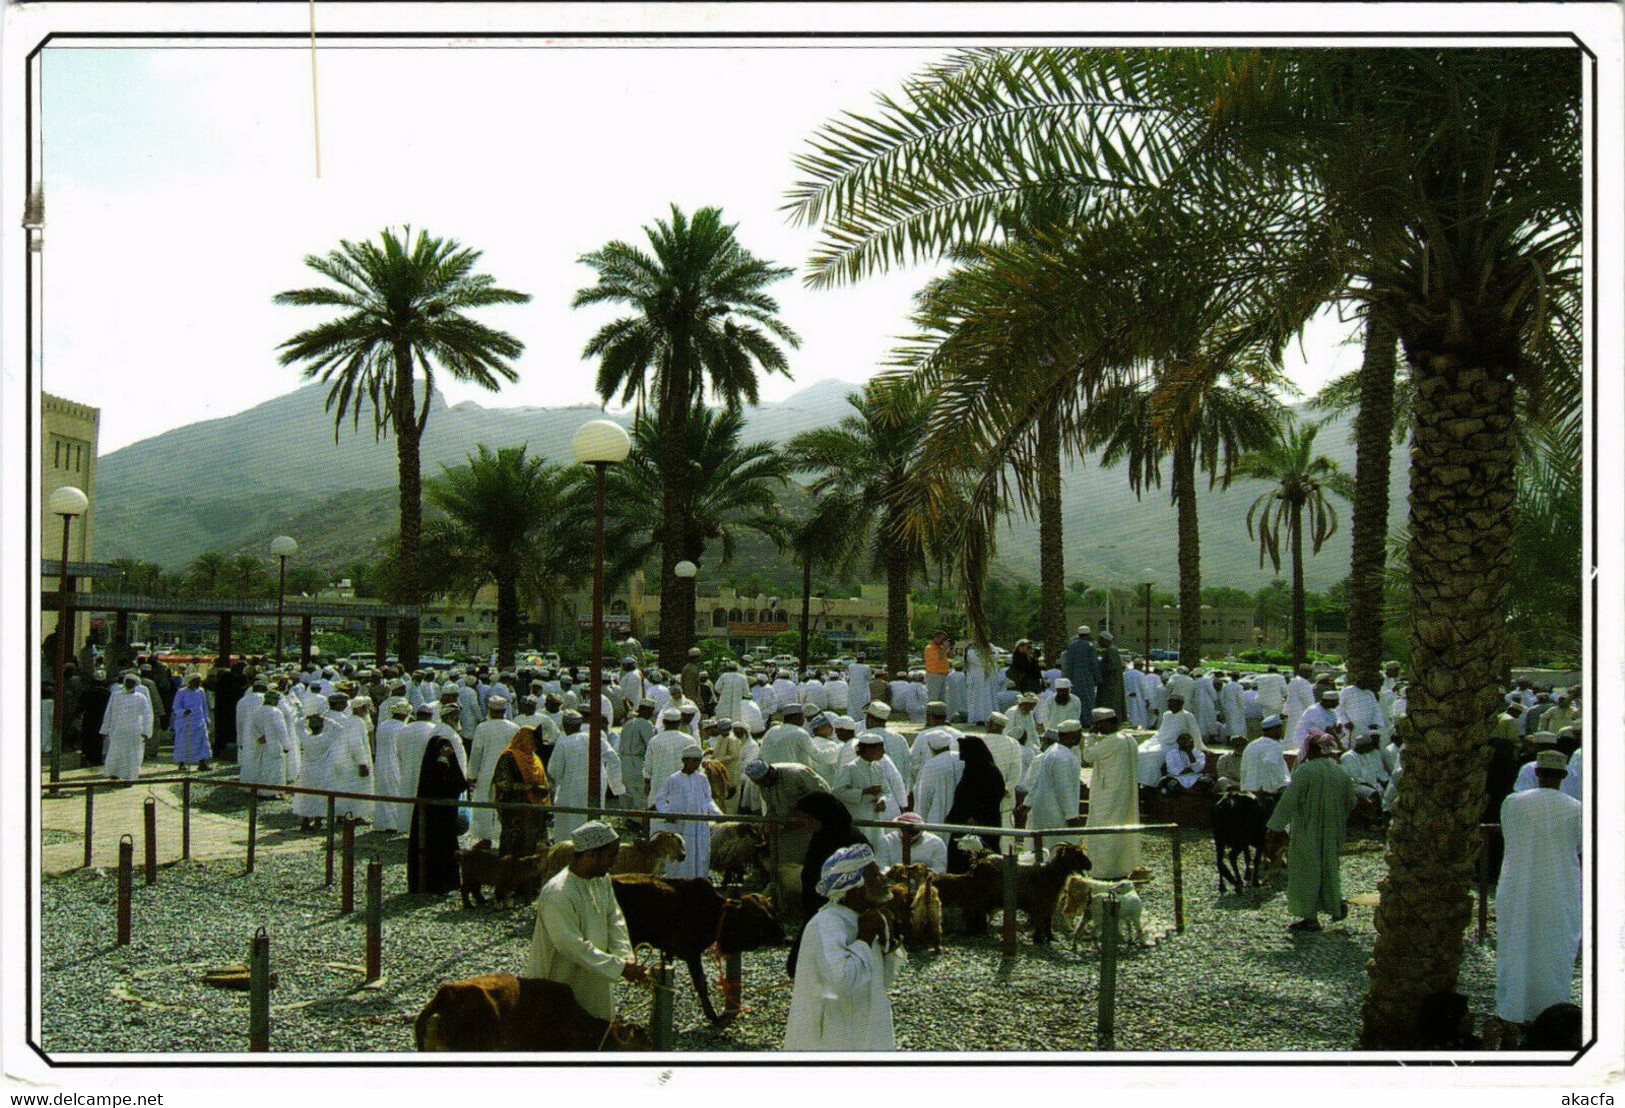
[
  {"x": 598, "y": 443},
  {"x": 66, "y": 502},
  {"x": 284, "y": 547}
]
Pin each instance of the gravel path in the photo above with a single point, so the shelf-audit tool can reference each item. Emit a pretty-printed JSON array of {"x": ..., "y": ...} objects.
[{"x": 1235, "y": 980}]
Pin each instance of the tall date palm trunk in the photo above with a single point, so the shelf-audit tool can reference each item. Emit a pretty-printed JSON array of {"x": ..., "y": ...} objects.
[
  {"x": 409, "y": 474},
  {"x": 1373, "y": 438},
  {"x": 1461, "y": 518},
  {"x": 1190, "y": 555},
  {"x": 1051, "y": 553}
]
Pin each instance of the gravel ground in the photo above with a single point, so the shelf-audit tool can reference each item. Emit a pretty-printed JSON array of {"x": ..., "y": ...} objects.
[{"x": 1235, "y": 980}]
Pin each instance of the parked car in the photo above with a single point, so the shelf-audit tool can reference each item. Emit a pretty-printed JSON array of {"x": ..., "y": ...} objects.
[{"x": 1163, "y": 654}]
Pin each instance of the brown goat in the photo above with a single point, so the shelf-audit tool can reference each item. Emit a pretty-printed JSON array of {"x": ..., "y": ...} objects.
[
  {"x": 1038, "y": 888},
  {"x": 977, "y": 894}
]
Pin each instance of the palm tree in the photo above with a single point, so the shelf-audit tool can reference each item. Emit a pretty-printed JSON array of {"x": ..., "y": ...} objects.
[
  {"x": 819, "y": 541},
  {"x": 1375, "y": 427},
  {"x": 507, "y": 522},
  {"x": 404, "y": 301},
  {"x": 208, "y": 574},
  {"x": 698, "y": 316},
  {"x": 246, "y": 577},
  {"x": 1302, "y": 480},
  {"x": 1203, "y": 414},
  {"x": 730, "y": 488},
  {"x": 1443, "y": 185},
  {"x": 865, "y": 482}
]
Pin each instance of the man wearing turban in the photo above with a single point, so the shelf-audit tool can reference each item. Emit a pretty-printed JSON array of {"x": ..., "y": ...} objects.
[{"x": 848, "y": 958}]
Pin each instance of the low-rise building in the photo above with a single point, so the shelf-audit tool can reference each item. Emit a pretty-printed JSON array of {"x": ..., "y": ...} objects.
[
  {"x": 746, "y": 622},
  {"x": 68, "y": 435}
]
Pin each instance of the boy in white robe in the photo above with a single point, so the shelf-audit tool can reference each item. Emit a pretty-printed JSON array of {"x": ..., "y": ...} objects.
[
  {"x": 870, "y": 785},
  {"x": 126, "y": 727},
  {"x": 848, "y": 958},
  {"x": 688, "y": 792},
  {"x": 491, "y": 738},
  {"x": 924, "y": 847}
]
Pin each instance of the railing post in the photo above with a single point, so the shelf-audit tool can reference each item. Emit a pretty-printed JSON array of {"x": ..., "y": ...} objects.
[
  {"x": 908, "y": 849},
  {"x": 347, "y": 884},
  {"x": 1179, "y": 886},
  {"x": 253, "y": 824},
  {"x": 90, "y": 821},
  {"x": 259, "y": 992},
  {"x": 1106, "y": 1020},
  {"x": 327, "y": 882},
  {"x": 1010, "y": 939},
  {"x": 186, "y": 819},
  {"x": 375, "y": 918},
  {"x": 662, "y": 1017},
  {"x": 126, "y": 875},
  {"x": 149, "y": 826}
]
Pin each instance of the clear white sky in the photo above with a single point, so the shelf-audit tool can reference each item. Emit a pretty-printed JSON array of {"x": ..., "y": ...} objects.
[{"x": 181, "y": 196}]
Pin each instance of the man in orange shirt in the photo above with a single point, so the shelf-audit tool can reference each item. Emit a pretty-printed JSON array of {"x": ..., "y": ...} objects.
[{"x": 936, "y": 666}]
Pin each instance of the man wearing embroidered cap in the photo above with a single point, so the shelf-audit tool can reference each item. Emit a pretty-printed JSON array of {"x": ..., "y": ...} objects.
[
  {"x": 789, "y": 741},
  {"x": 1051, "y": 787},
  {"x": 1114, "y": 796},
  {"x": 847, "y": 961},
  {"x": 870, "y": 785},
  {"x": 1263, "y": 762},
  {"x": 1537, "y": 902},
  {"x": 581, "y": 938},
  {"x": 1539, "y": 741}
]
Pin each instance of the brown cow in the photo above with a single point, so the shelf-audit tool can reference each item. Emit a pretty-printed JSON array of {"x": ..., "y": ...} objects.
[
  {"x": 683, "y": 917},
  {"x": 498, "y": 1011}
]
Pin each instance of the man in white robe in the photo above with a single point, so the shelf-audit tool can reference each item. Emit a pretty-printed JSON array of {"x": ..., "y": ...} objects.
[
  {"x": 567, "y": 777},
  {"x": 633, "y": 748},
  {"x": 126, "y": 727},
  {"x": 581, "y": 938},
  {"x": 1319, "y": 717},
  {"x": 1366, "y": 767},
  {"x": 468, "y": 706},
  {"x": 847, "y": 960},
  {"x": 1136, "y": 693},
  {"x": 1182, "y": 770},
  {"x": 924, "y": 847},
  {"x": 1573, "y": 784},
  {"x": 1114, "y": 797},
  {"x": 386, "y": 762},
  {"x": 1176, "y": 721},
  {"x": 246, "y": 704},
  {"x": 1300, "y": 696},
  {"x": 955, "y": 691},
  {"x": 349, "y": 767},
  {"x": 789, "y": 741},
  {"x": 491, "y": 738},
  {"x": 688, "y": 792},
  {"x": 1023, "y": 724},
  {"x": 978, "y": 687},
  {"x": 1203, "y": 703},
  {"x": 785, "y": 692},
  {"x": 629, "y": 689},
  {"x": 939, "y": 777},
  {"x": 1526, "y": 779},
  {"x": 920, "y": 752},
  {"x": 664, "y": 754},
  {"x": 1263, "y": 762},
  {"x": 1051, "y": 789},
  {"x": 261, "y": 746},
  {"x": 1271, "y": 691},
  {"x": 870, "y": 785},
  {"x": 1537, "y": 902},
  {"x": 731, "y": 689},
  {"x": 1233, "y": 707},
  {"x": 857, "y": 687},
  {"x": 875, "y": 718},
  {"x": 1359, "y": 708},
  {"x": 317, "y": 745},
  {"x": 1058, "y": 705}
]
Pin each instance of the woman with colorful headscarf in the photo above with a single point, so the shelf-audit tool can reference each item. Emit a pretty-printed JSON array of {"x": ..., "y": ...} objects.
[{"x": 519, "y": 778}]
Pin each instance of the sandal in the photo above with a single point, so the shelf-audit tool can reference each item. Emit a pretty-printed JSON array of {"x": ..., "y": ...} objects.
[{"x": 1304, "y": 925}]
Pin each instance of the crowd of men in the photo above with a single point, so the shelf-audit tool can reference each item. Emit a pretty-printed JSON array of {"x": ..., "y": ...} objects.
[{"x": 764, "y": 740}]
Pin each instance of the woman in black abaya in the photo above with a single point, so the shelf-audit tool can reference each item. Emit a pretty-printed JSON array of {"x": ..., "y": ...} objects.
[
  {"x": 431, "y": 849},
  {"x": 977, "y": 797}
]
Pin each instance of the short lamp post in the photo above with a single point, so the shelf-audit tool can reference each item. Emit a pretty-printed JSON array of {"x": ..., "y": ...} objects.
[
  {"x": 599, "y": 443},
  {"x": 284, "y": 547},
  {"x": 66, "y": 502}
]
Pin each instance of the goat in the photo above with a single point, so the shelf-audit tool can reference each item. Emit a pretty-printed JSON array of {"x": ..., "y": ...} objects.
[
  {"x": 497, "y": 1011},
  {"x": 1038, "y": 888},
  {"x": 506, "y": 875},
  {"x": 646, "y": 857},
  {"x": 977, "y": 894},
  {"x": 1238, "y": 821},
  {"x": 741, "y": 854},
  {"x": 925, "y": 916},
  {"x": 1089, "y": 896}
]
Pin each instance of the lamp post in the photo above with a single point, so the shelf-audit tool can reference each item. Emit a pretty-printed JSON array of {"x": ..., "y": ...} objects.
[
  {"x": 284, "y": 547},
  {"x": 685, "y": 572},
  {"x": 66, "y": 502},
  {"x": 598, "y": 443},
  {"x": 1147, "y": 586}
]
